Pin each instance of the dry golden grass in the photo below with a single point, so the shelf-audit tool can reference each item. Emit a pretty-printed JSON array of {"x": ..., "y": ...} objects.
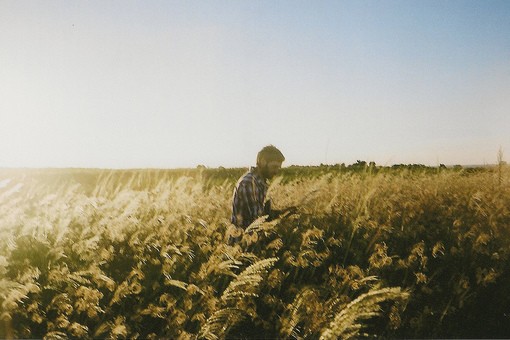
[{"x": 394, "y": 253}]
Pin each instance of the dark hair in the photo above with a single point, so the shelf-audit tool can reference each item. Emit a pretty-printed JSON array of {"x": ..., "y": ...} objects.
[{"x": 270, "y": 153}]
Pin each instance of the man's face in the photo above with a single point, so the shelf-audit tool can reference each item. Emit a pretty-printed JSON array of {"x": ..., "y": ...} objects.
[{"x": 270, "y": 169}]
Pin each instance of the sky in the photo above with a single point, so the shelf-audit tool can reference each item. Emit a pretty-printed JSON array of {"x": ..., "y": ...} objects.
[{"x": 170, "y": 84}]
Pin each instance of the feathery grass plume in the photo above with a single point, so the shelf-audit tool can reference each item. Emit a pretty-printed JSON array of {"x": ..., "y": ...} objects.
[
  {"x": 290, "y": 323},
  {"x": 56, "y": 335},
  {"x": 226, "y": 267},
  {"x": 218, "y": 324},
  {"x": 501, "y": 164},
  {"x": 12, "y": 295},
  {"x": 246, "y": 283},
  {"x": 243, "y": 285},
  {"x": 347, "y": 324},
  {"x": 258, "y": 224},
  {"x": 176, "y": 283}
]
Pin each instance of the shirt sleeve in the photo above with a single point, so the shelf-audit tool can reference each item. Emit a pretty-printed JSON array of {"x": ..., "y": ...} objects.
[{"x": 246, "y": 207}]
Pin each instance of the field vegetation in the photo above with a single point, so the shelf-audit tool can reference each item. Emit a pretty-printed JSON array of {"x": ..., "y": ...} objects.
[{"x": 401, "y": 252}]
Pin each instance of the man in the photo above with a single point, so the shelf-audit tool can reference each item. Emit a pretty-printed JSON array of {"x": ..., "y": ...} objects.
[{"x": 250, "y": 192}]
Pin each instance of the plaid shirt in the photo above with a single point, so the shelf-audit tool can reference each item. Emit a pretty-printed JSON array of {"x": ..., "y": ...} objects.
[{"x": 248, "y": 201}]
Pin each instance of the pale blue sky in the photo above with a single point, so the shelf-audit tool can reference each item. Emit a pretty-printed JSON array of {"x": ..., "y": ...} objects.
[{"x": 135, "y": 84}]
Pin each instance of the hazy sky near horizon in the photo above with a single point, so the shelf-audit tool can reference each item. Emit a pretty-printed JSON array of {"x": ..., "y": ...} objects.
[{"x": 165, "y": 84}]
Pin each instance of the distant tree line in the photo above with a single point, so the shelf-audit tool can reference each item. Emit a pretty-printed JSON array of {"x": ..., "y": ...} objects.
[{"x": 372, "y": 167}]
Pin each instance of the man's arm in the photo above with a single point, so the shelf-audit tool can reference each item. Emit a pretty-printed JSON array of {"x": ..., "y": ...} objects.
[
  {"x": 246, "y": 206},
  {"x": 276, "y": 213}
]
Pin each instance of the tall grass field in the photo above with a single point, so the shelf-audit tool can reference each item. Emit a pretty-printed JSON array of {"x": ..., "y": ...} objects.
[{"x": 399, "y": 252}]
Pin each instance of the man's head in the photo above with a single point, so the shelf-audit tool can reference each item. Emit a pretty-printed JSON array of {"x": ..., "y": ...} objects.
[{"x": 269, "y": 161}]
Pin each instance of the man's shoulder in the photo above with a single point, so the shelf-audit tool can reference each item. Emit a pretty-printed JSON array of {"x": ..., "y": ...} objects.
[
  {"x": 247, "y": 177},
  {"x": 250, "y": 177}
]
